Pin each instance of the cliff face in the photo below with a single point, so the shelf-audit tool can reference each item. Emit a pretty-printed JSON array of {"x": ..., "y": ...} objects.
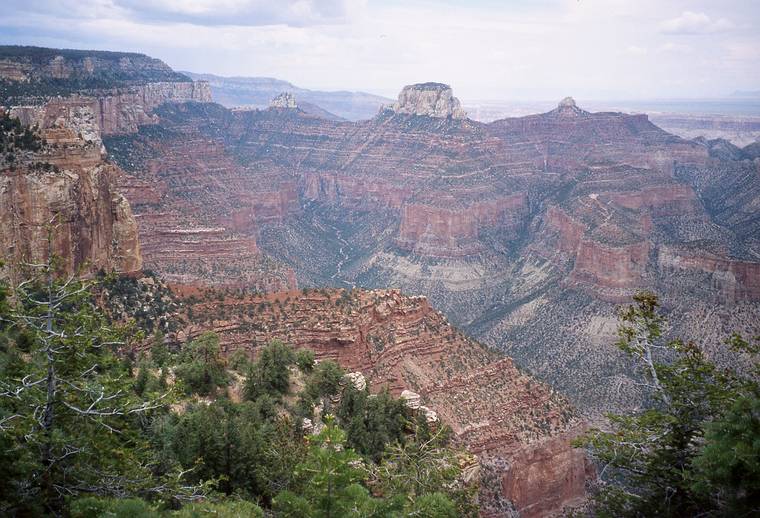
[
  {"x": 67, "y": 187},
  {"x": 497, "y": 412},
  {"x": 27, "y": 72},
  {"x": 113, "y": 112},
  {"x": 445, "y": 230},
  {"x": 198, "y": 207},
  {"x": 727, "y": 280}
]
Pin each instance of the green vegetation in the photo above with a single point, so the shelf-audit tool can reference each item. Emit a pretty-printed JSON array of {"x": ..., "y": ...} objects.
[
  {"x": 270, "y": 375},
  {"x": 14, "y": 136},
  {"x": 696, "y": 450},
  {"x": 86, "y": 429},
  {"x": 201, "y": 367},
  {"x": 69, "y": 419}
]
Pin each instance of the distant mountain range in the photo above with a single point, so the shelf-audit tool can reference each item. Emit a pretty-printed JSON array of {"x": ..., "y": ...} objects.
[{"x": 256, "y": 92}]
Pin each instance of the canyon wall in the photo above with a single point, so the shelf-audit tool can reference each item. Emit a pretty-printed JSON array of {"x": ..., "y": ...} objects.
[
  {"x": 450, "y": 228},
  {"x": 66, "y": 188},
  {"x": 114, "y": 112},
  {"x": 729, "y": 280}
]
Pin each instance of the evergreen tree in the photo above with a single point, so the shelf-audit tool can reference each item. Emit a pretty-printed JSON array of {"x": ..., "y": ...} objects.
[
  {"x": 270, "y": 374},
  {"x": 68, "y": 414},
  {"x": 371, "y": 423},
  {"x": 665, "y": 460},
  {"x": 159, "y": 353},
  {"x": 202, "y": 367},
  {"x": 330, "y": 483}
]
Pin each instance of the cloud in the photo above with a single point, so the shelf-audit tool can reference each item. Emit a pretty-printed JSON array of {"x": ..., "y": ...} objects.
[
  {"x": 695, "y": 23},
  {"x": 298, "y": 13},
  {"x": 484, "y": 49},
  {"x": 244, "y": 13},
  {"x": 676, "y": 48}
]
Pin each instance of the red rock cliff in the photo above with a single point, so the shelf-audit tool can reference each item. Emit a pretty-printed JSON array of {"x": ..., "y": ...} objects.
[{"x": 68, "y": 183}]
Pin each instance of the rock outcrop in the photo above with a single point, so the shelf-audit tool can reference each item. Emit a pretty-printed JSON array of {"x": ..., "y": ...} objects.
[
  {"x": 429, "y": 99},
  {"x": 66, "y": 188},
  {"x": 285, "y": 101},
  {"x": 568, "y": 108}
]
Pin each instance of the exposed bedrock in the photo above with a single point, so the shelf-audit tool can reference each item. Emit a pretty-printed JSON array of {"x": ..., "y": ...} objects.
[
  {"x": 66, "y": 188},
  {"x": 429, "y": 99},
  {"x": 729, "y": 280},
  {"x": 114, "y": 112},
  {"x": 450, "y": 229}
]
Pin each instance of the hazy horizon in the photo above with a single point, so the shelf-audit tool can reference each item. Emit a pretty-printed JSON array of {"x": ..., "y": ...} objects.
[{"x": 486, "y": 50}]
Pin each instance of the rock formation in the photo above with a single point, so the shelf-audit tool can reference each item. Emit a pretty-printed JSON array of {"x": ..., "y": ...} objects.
[
  {"x": 527, "y": 231},
  {"x": 35, "y": 71},
  {"x": 199, "y": 209},
  {"x": 500, "y": 224},
  {"x": 66, "y": 188},
  {"x": 284, "y": 100},
  {"x": 114, "y": 112},
  {"x": 568, "y": 108},
  {"x": 502, "y": 415},
  {"x": 120, "y": 89},
  {"x": 429, "y": 99}
]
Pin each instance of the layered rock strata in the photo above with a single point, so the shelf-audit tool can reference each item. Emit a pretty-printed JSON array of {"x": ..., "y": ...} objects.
[
  {"x": 400, "y": 342},
  {"x": 500, "y": 224}
]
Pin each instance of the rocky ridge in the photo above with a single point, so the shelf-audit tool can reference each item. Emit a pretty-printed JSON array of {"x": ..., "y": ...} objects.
[
  {"x": 400, "y": 342},
  {"x": 35, "y": 71}
]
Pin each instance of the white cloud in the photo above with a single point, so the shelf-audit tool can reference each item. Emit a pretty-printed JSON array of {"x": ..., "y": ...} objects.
[
  {"x": 695, "y": 23},
  {"x": 636, "y": 50},
  {"x": 543, "y": 50},
  {"x": 676, "y": 48},
  {"x": 251, "y": 13}
]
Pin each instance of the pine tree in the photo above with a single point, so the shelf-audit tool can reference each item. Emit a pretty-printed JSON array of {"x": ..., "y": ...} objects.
[{"x": 67, "y": 408}]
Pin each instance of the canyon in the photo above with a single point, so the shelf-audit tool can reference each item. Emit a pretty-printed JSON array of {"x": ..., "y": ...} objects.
[
  {"x": 527, "y": 233},
  {"x": 511, "y": 228}
]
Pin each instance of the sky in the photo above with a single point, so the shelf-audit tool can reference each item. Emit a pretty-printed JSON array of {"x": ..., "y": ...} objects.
[{"x": 485, "y": 49}]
